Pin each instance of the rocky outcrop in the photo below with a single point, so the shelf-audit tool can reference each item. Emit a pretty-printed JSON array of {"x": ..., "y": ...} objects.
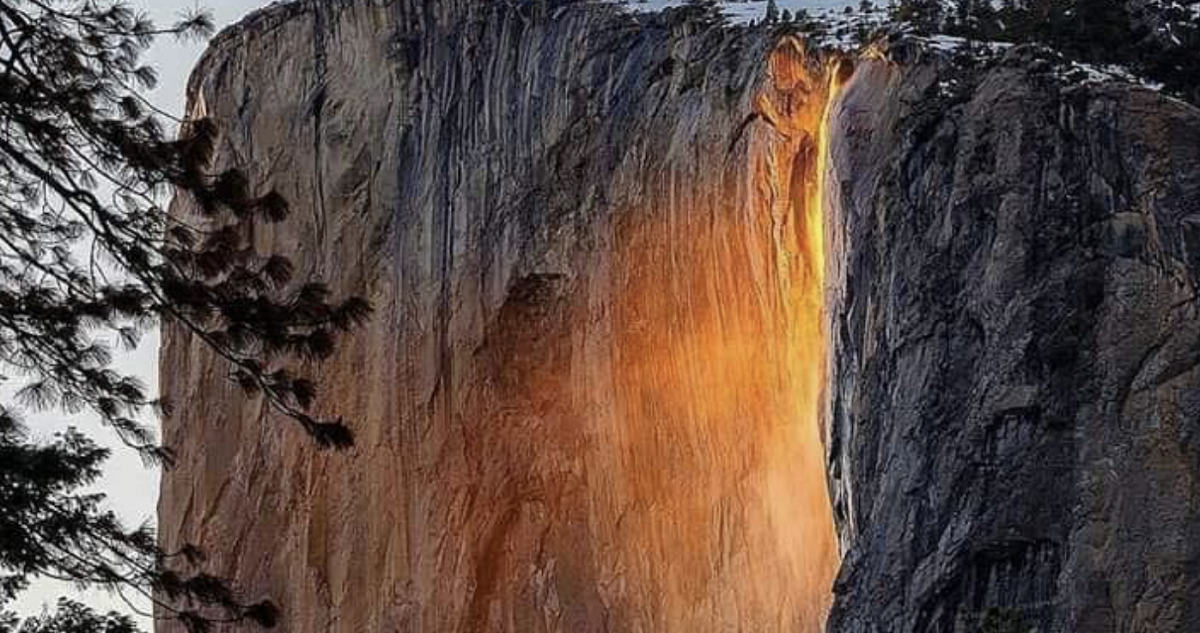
[
  {"x": 588, "y": 398},
  {"x": 1014, "y": 413},
  {"x": 640, "y": 284}
]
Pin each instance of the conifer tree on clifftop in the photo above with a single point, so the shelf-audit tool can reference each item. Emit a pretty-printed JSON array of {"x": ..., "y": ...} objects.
[
  {"x": 89, "y": 261},
  {"x": 772, "y": 14},
  {"x": 1157, "y": 41},
  {"x": 926, "y": 16}
]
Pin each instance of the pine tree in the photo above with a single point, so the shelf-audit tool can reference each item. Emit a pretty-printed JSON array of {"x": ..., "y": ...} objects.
[
  {"x": 72, "y": 617},
  {"x": 925, "y": 15},
  {"x": 772, "y": 14},
  {"x": 1090, "y": 31},
  {"x": 975, "y": 19},
  {"x": 90, "y": 259}
]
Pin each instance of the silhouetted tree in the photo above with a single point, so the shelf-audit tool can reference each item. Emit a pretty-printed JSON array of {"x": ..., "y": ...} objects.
[
  {"x": 925, "y": 15},
  {"x": 772, "y": 13},
  {"x": 1088, "y": 31},
  {"x": 89, "y": 261},
  {"x": 72, "y": 617}
]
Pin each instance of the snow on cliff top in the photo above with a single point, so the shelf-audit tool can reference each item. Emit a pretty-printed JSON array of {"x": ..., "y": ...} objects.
[
  {"x": 843, "y": 20},
  {"x": 742, "y": 11}
]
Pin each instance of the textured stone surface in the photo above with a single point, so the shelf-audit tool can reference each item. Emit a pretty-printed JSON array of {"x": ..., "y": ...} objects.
[
  {"x": 1016, "y": 399},
  {"x": 587, "y": 400}
]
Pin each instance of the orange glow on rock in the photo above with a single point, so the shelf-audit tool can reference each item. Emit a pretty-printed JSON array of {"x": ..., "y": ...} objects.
[
  {"x": 719, "y": 461},
  {"x": 798, "y": 492}
]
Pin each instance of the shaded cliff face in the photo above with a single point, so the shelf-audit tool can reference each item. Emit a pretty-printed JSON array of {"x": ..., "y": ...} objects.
[
  {"x": 639, "y": 285},
  {"x": 588, "y": 399},
  {"x": 1015, "y": 415}
]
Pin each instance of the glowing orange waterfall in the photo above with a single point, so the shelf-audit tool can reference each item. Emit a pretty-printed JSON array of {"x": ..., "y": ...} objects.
[{"x": 799, "y": 496}]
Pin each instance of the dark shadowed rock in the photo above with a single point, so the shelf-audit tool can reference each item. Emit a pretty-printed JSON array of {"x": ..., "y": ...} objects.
[{"x": 1015, "y": 411}]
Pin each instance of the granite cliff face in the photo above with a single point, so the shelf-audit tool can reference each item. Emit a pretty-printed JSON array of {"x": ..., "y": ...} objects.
[
  {"x": 1015, "y": 415},
  {"x": 588, "y": 399},
  {"x": 672, "y": 317}
]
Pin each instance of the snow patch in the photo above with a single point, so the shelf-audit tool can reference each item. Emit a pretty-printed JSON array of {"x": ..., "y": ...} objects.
[
  {"x": 840, "y": 23},
  {"x": 746, "y": 11},
  {"x": 1095, "y": 74}
]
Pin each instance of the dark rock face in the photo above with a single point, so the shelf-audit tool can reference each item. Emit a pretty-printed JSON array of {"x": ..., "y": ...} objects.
[
  {"x": 1014, "y": 420},
  {"x": 588, "y": 400}
]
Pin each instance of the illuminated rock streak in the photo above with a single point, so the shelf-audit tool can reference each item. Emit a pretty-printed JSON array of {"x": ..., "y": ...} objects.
[
  {"x": 722, "y": 459},
  {"x": 798, "y": 494}
]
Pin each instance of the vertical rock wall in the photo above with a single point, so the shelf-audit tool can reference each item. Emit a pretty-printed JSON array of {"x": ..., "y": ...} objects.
[
  {"x": 1015, "y": 425},
  {"x": 588, "y": 398},
  {"x": 591, "y": 396}
]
